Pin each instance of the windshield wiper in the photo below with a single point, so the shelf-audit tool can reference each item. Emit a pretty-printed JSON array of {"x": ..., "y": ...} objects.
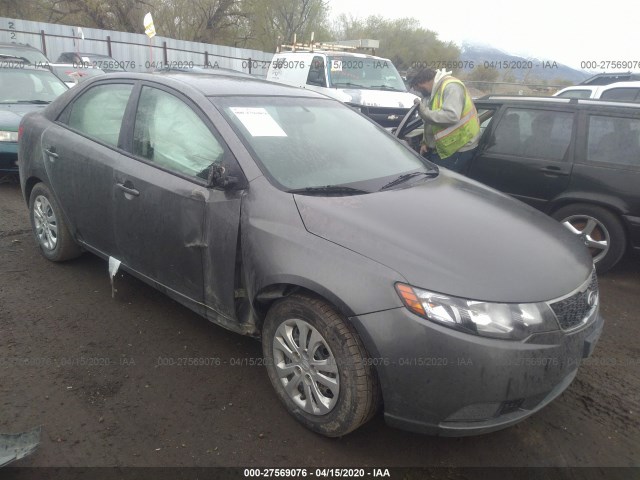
[
  {"x": 329, "y": 189},
  {"x": 406, "y": 176},
  {"x": 35, "y": 102},
  {"x": 386, "y": 87},
  {"x": 348, "y": 84}
]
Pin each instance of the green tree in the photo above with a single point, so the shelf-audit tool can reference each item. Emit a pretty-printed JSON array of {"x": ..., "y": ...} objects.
[
  {"x": 273, "y": 22},
  {"x": 207, "y": 21},
  {"x": 402, "y": 40}
]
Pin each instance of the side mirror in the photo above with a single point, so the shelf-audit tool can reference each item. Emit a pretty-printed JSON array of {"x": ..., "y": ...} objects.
[{"x": 218, "y": 177}]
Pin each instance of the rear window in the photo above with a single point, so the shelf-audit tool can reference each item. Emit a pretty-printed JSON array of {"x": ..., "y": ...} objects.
[
  {"x": 614, "y": 140},
  {"x": 98, "y": 112}
]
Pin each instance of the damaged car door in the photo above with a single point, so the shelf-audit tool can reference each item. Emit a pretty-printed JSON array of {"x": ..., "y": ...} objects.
[{"x": 163, "y": 206}]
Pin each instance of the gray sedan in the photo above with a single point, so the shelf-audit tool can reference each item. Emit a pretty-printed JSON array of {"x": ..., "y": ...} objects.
[{"x": 372, "y": 277}]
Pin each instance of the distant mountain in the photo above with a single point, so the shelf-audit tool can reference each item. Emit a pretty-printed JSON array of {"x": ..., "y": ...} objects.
[{"x": 531, "y": 70}]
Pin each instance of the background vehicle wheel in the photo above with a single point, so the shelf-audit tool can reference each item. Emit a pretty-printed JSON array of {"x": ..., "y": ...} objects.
[
  {"x": 599, "y": 229},
  {"x": 48, "y": 226},
  {"x": 318, "y": 366}
]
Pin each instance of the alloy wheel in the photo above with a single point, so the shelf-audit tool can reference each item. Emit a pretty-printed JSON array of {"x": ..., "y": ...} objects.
[
  {"x": 46, "y": 224},
  {"x": 306, "y": 367},
  {"x": 592, "y": 232}
]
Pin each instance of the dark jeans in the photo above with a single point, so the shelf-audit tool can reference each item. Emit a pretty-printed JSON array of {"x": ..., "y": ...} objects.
[{"x": 457, "y": 162}]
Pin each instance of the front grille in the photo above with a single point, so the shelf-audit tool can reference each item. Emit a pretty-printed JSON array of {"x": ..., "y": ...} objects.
[
  {"x": 572, "y": 310},
  {"x": 387, "y": 117}
]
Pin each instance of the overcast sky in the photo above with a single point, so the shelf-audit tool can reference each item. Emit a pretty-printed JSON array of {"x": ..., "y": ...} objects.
[{"x": 565, "y": 32}]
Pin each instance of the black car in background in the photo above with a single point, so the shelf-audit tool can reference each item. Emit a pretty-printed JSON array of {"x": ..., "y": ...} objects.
[{"x": 576, "y": 160}]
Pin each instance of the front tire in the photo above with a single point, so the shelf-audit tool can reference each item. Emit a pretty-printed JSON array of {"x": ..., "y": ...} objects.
[
  {"x": 599, "y": 229},
  {"x": 318, "y": 366},
  {"x": 49, "y": 228}
]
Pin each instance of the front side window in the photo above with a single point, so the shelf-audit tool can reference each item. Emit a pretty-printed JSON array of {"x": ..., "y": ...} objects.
[
  {"x": 98, "y": 112},
  {"x": 309, "y": 143},
  {"x": 614, "y": 140},
  {"x": 170, "y": 134},
  {"x": 533, "y": 133}
]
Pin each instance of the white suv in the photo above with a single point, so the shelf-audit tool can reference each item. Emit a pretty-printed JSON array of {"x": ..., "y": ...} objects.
[{"x": 618, "y": 91}]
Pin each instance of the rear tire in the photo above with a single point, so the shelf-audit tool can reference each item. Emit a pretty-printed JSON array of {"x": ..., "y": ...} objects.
[
  {"x": 600, "y": 230},
  {"x": 318, "y": 366},
  {"x": 49, "y": 228}
]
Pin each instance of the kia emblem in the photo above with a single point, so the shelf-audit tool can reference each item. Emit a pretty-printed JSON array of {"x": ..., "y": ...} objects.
[{"x": 592, "y": 298}]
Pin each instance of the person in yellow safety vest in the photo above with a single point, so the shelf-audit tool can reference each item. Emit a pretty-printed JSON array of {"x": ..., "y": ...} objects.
[{"x": 451, "y": 127}]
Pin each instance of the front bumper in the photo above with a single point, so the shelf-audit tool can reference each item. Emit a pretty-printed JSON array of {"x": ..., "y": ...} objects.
[
  {"x": 8, "y": 157},
  {"x": 439, "y": 381}
]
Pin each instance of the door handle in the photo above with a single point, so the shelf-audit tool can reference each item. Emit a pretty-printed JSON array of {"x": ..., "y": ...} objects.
[
  {"x": 129, "y": 190},
  {"x": 553, "y": 170},
  {"x": 51, "y": 152}
]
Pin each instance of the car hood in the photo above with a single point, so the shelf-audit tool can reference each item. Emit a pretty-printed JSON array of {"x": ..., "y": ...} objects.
[
  {"x": 373, "y": 98},
  {"x": 455, "y": 236},
  {"x": 12, "y": 113}
]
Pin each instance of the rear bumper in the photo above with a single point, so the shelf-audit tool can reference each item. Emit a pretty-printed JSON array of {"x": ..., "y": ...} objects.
[{"x": 438, "y": 381}]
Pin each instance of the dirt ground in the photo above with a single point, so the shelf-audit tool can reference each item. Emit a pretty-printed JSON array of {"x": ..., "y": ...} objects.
[{"x": 93, "y": 371}]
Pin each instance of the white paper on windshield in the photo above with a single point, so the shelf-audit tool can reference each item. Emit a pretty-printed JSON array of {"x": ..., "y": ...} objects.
[
  {"x": 336, "y": 66},
  {"x": 258, "y": 121},
  {"x": 86, "y": 59}
]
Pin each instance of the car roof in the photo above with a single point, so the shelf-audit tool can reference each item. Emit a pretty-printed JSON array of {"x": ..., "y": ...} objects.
[
  {"x": 216, "y": 85},
  {"x": 516, "y": 99},
  {"x": 86, "y": 54},
  {"x": 334, "y": 53},
  {"x": 198, "y": 69},
  {"x": 23, "y": 46},
  {"x": 607, "y": 78}
]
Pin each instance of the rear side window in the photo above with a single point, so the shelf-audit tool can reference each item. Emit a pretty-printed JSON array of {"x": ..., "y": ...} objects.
[
  {"x": 575, "y": 94},
  {"x": 170, "y": 134},
  {"x": 614, "y": 140},
  {"x": 533, "y": 133},
  {"x": 98, "y": 113},
  {"x": 621, "y": 94}
]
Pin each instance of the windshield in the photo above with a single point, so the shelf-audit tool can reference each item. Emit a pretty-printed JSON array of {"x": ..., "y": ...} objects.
[
  {"x": 303, "y": 143},
  {"x": 364, "y": 72},
  {"x": 18, "y": 85}
]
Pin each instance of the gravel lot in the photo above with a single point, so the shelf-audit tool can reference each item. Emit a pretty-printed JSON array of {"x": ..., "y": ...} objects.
[{"x": 98, "y": 383}]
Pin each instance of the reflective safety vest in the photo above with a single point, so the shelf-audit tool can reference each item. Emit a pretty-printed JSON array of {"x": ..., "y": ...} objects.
[{"x": 451, "y": 139}]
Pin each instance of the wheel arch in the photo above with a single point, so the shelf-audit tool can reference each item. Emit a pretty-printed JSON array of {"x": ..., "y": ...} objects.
[
  {"x": 283, "y": 287},
  {"x": 613, "y": 205},
  {"x": 28, "y": 187}
]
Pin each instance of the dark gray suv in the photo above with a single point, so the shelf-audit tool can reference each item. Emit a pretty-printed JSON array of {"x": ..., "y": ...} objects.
[
  {"x": 576, "y": 160},
  {"x": 372, "y": 277}
]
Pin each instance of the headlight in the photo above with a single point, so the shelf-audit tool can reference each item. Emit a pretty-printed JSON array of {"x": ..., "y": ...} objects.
[
  {"x": 511, "y": 321},
  {"x": 8, "y": 136}
]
